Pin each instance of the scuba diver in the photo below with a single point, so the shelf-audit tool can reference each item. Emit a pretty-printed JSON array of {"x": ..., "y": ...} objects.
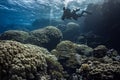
[{"x": 68, "y": 14}]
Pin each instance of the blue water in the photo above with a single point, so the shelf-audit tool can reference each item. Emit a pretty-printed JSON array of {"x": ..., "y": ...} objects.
[{"x": 25, "y": 12}]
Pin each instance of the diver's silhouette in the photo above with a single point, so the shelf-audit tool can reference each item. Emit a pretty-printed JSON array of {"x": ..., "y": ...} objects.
[
  {"x": 68, "y": 14},
  {"x": 74, "y": 15}
]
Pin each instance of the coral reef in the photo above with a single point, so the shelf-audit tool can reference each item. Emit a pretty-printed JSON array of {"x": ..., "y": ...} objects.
[
  {"x": 71, "y": 32},
  {"x": 54, "y": 68},
  {"x": 70, "y": 55},
  {"x": 47, "y": 37},
  {"x": 65, "y": 52},
  {"x": 100, "y": 71},
  {"x": 19, "y": 61},
  {"x": 100, "y": 51},
  {"x": 84, "y": 50},
  {"x": 26, "y": 62},
  {"x": 90, "y": 39},
  {"x": 92, "y": 52},
  {"x": 68, "y": 61},
  {"x": 95, "y": 64},
  {"x": 68, "y": 47},
  {"x": 72, "y": 26},
  {"x": 16, "y": 35}
]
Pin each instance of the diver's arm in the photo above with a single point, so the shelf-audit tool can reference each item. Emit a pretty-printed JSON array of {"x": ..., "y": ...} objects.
[{"x": 77, "y": 10}]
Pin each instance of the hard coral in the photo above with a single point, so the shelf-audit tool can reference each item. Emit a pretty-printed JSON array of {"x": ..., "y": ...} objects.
[
  {"x": 54, "y": 68},
  {"x": 16, "y": 35},
  {"x": 101, "y": 71},
  {"x": 71, "y": 54},
  {"x": 47, "y": 37},
  {"x": 100, "y": 51},
  {"x": 72, "y": 30},
  {"x": 85, "y": 67},
  {"x": 21, "y": 61}
]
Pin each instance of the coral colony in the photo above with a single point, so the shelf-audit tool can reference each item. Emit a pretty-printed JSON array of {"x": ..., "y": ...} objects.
[{"x": 36, "y": 44}]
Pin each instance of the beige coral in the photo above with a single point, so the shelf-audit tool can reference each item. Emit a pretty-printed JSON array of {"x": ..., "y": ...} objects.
[
  {"x": 101, "y": 71},
  {"x": 18, "y": 59}
]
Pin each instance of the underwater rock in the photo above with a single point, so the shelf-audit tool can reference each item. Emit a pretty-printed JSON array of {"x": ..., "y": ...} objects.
[
  {"x": 26, "y": 62},
  {"x": 100, "y": 51},
  {"x": 71, "y": 32},
  {"x": 16, "y": 35},
  {"x": 100, "y": 71},
  {"x": 47, "y": 37}
]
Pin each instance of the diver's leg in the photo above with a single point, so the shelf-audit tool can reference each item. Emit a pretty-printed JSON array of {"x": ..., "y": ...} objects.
[
  {"x": 86, "y": 12},
  {"x": 63, "y": 17},
  {"x": 81, "y": 14}
]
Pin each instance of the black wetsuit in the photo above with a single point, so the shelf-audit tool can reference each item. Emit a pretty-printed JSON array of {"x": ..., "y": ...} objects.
[{"x": 67, "y": 14}]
